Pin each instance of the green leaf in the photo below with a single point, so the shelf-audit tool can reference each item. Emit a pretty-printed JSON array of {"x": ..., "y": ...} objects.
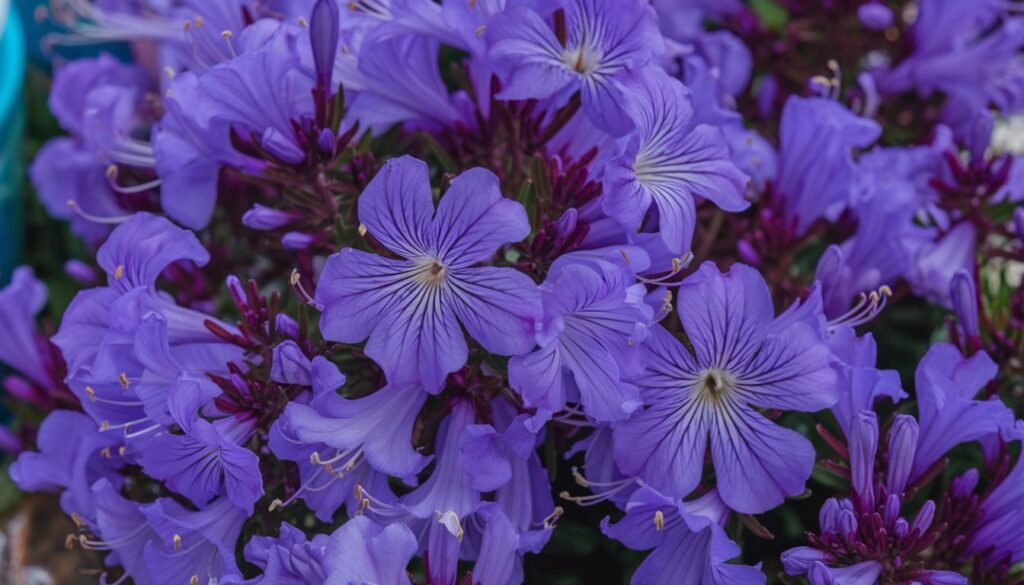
[{"x": 772, "y": 15}]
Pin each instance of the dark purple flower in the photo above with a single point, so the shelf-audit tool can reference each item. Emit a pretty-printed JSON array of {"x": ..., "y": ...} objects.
[
  {"x": 362, "y": 551},
  {"x": 289, "y": 559},
  {"x": 591, "y": 43}
]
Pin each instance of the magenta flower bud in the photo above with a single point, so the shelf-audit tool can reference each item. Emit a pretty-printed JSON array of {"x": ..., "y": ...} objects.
[
  {"x": 282, "y": 147},
  {"x": 20, "y": 388},
  {"x": 1018, "y": 222},
  {"x": 286, "y": 326},
  {"x": 863, "y": 447},
  {"x": 923, "y": 520},
  {"x": 875, "y": 16},
  {"x": 902, "y": 449},
  {"x": 261, "y": 217},
  {"x": 963, "y": 485},
  {"x": 80, "y": 272},
  {"x": 297, "y": 241},
  {"x": 747, "y": 253},
  {"x": 326, "y": 142}
]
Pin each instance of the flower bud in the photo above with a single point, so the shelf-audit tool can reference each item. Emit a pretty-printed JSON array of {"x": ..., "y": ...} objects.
[
  {"x": 280, "y": 146},
  {"x": 892, "y": 510},
  {"x": 260, "y": 217},
  {"x": 965, "y": 303},
  {"x": 863, "y": 447},
  {"x": 963, "y": 485},
  {"x": 326, "y": 142},
  {"x": 797, "y": 561},
  {"x": 923, "y": 520},
  {"x": 80, "y": 272},
  {"x": 875, "y": 16},
  {"x": 297, "y": 241},
  {"x": 902, "y": 449},
  {"x": 286, "y": 326}
]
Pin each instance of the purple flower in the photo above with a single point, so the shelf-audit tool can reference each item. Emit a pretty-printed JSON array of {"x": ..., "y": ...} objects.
[
  {"x": 860, "y": 381},
  {"x": 411, "y": 308},
  {"x": 23, "y": 347},
  {"x": 741, "y": 359},
  {"x": 123, "y": 529},
  {"x": 289, "y": 559},
  {"x": 194, "y": 547},
  {"x": 362, "y": 551},
  {"x": 995, "y": 533},
  {"x": 595, "y": 319},
  {"x": 816, "y": 168},
  {"x": 668, "y": 160},
  {"x": 946, "y": 384},
  {"x": 69, "y": 458},
  {"x": 690, "y": 546},
  {"x": 589, "y": 45}
]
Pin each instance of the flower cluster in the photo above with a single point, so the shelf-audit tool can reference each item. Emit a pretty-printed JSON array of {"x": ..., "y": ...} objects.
[{"x": 382, "y": 290}]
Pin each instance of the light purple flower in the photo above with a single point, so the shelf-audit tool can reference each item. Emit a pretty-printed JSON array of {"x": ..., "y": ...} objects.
[
  {"x": 667, "y": 161},
  {"x": 411, "y": 308},
  {"x": 741, "y": 359}
]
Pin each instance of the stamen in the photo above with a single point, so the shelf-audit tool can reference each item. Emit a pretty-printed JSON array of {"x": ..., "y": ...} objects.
[
  {"x": 598, "y": 497},
  {"x": 678, "y": 265},
  {"x": 177, "y": 542},
  {"x": 226, "y": 35},
  {"x": 868, "y": 307},
  {"x": 301, "y": 291},
  {"x": 112, "y": 181},
  {"x": 115, "y": 220},
  {"x": 122, "y": 377},
  {"x": 450, "y": 520},
  {"x": 659, "y": 520},
  {"x": 552, "y": 518}
]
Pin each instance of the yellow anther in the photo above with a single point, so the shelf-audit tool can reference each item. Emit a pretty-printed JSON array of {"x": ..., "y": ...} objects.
[
  {"x": 177, "y": 542},
  {"x": 362, "y": 231},
  {"x": 119, "y": 274},
  {"x": 480, "y": 30},
  {"x": 275, "y": 505},
  {"x": 111, "y": 171},
  {"x": 122, "y": 377},
  {"x": 659, "y": 520},
  {"x": 91, "y": 393}
]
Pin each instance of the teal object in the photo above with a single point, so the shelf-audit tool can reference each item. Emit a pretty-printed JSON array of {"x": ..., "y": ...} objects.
[
  {"x": 12, "y": 125},
  {"x": 36, "y": 29}
]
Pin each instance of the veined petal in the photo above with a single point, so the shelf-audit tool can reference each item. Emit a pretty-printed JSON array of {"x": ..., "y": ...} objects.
[
  {"x": 397, "y": 207},
  {"x": 357, "y": 289},
  {"x": 791, "y": 371},
  {"x": 757, "y": 462},
  {"x": 725, "y": 315},
  {"x": 603, "y": 394},
  {"x": 499, "y": 307},
  {"x": 473, "y": 219},
  {"x": 380, "y": 423},
  {"x": 539, "y": 379},
  {"x": 141, "y": 248},
  {"x": 362, "y": 551}
]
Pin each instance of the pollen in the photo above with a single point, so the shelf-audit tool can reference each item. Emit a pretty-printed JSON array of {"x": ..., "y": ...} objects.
[
  {"x": 119, "y": 272},
  {"x": 716, "y": 383}
]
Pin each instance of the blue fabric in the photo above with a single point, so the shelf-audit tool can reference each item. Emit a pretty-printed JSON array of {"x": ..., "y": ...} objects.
[{"x": 12, "y": 114}]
